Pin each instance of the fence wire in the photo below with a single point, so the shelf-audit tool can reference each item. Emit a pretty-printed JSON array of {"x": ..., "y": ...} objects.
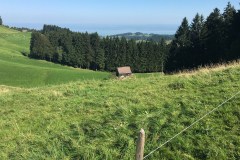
[{"x": 191, "y": 124}]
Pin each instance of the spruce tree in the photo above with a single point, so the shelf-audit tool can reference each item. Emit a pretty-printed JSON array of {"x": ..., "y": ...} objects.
[
  {"x": 116, "y": 52},
  {"x": 228, "y": 30},
  {"x": 180, "y": 48},
  {"x": 150, "y": 57},
  {"x": 87, "y": 51},
  {"x": 58, "y": 55},
  {"x": 214, "y": 41},
  {"x": 182, "y": 36},
  {"x": 78, "y": 46},
  {"x": 66, "y": 43},
  {"x": 142, "y": 61},
  {"x": 1, "y": 22},
  {"x": 162, "y": 57},
  {"x": 95, "y": 45},
  {"x": 197, "y": 37},
  {"x": 40, "y": 47},
  {"x": 133, "y": 56},
  {"x": 110, "y": 54},
  {"x": 122, "y": 51},
  {"x": 196, "y": 29},
  {"x": 235, "y": 45},
  {"x": 129, "y": 52},
  {"x": 107, "y": 51},
  {"x": 100, "y": 59}
]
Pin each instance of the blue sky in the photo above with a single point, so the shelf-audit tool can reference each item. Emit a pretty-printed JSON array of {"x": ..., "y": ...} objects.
[{"x": 107, "y": 12}]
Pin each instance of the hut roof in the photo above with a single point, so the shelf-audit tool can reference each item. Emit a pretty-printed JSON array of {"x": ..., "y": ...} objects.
[{"x": 124, "y": 70}]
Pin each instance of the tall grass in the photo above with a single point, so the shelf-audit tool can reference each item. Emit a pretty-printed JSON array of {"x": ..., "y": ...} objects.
[
  {"x": 66, "y": 113},
  {"x": 101, "y": 119}
]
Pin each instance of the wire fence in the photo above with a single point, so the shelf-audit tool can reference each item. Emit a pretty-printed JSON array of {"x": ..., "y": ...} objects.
[{"x": 163, "y": 144}]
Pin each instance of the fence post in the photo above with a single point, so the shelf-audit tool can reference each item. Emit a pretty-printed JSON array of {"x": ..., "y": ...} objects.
[{"x": 140, "y": 145}]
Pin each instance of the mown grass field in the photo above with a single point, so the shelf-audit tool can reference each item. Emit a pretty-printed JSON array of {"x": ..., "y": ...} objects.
[
  {"x": 18, "y": 70},
  {"x": 70, "y": 118}
]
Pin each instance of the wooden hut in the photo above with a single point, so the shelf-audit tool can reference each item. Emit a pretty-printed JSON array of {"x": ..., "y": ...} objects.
[{"x": 124, "y": 71}]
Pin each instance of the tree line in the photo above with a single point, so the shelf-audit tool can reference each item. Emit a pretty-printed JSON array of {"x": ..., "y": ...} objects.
[
  {"x": 204, "y": 41},
  {"x": 90, "y": 51}
]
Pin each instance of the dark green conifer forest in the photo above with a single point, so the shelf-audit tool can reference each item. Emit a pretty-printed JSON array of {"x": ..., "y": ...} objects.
[
  {"x": 215, "y": 39},
  {"x": 89, "y": 51},
  {"x": 1, "y": 21}
]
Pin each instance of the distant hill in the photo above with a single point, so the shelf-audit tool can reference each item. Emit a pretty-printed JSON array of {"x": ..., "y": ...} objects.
[{"x": 145, "y": 36}]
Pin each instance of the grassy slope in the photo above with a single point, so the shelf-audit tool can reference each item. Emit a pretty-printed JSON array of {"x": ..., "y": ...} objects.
[
  {"x": 17, "y": 70},
  {"x": 101, "y": 119}
]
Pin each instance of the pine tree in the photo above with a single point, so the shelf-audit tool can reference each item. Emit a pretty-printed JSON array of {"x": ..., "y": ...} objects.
[
  {"x": 182, "y": 36},
  {"x": 142, "y": 61},
  {"x": 235, "y": 46},
  {"x": 100, "y": 59},
  {"x": 105, "y": 45},
  {"x": 129, "y": 52},
  {"x": 162, "y": 55},
  {"x": 133, "y": 56},
  {"x": 214, "y": 41},
  {"x": 78, "y": 47},
  {"x": 150, "y": 57},
  {"x": 122, "y": 51},
  {"x": 58, "y": 55},
  {"x": 228, "y": 30},
  {"x": 1, "y": 22},
  {"x": 98, "y": 53},
  {"x": 197, "y": 37},
  {"x": 87, "y": 51},
  {"x": 116, "y": 52},
  {"x": 66, "y": 43},
  {"x": 180, "y": 48},
  {"x": 110, "y": 54},
  {"x": 40, "y": 47},
  {"x": 196, "y": 29}
]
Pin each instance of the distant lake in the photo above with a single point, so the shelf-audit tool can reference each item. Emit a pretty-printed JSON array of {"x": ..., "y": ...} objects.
[{"x": 108, "y": 29}]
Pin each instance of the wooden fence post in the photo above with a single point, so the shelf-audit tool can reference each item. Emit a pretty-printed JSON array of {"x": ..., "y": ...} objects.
[{"x": 140, "y": 145}]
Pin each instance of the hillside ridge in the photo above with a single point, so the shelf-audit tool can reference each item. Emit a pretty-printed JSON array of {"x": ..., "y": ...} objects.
[{"x": 20, "y": 71}]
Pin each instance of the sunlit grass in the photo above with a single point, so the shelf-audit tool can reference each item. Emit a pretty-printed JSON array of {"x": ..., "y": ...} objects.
[
  {"x": 49, "y": 111},
  {"x": 101, "y": 119},
  {"x": 19, "y": 70}
]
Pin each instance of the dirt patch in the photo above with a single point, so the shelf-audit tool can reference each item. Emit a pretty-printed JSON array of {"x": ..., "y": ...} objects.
[
  {"x": 57, "y": 93},
  {"x": 3, "y": 90}
]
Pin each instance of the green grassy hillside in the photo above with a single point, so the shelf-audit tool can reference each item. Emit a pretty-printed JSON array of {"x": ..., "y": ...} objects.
[
  {"x": 101, "y": 119},
  {"x": 18, "y": 70}
]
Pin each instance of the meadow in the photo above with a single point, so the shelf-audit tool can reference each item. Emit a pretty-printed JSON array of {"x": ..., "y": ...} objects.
[
  {"x": 100, "y": 119},
  {"x": 19, "y": 70}
]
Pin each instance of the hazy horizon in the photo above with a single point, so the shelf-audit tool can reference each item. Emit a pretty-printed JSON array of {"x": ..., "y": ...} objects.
[
  {"x": 105, "y": 30},
  {"x": 107, "y": 17}
]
